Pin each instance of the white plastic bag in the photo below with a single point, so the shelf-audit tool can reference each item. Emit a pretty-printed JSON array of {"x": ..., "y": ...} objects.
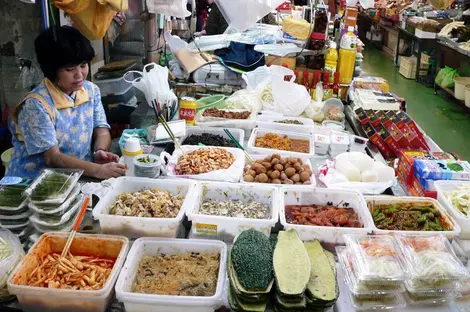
[
  {"x": 175, "y": 8},
  {"x": 328, "y": 177},
  {"x": 254, "y": 79},
  {"x": 289, "y": 98},
  {"x": 244, "y": 99},
  {"x": 11, "y": 246},
  {"x": 232, "y": 174}
]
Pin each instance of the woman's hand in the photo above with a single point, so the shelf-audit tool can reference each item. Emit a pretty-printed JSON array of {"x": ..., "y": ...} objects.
[
  {"x": 111, "y": 170},
  {"x": 103, "y": 157}
]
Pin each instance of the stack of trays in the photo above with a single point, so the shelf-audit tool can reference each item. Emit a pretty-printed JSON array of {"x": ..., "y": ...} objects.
[
  {"x": 14, "y": 214},
  {"x": 55, "y": 200},
  {"x": 339, "y": 143},
  {"x": 374, "y": 272}
]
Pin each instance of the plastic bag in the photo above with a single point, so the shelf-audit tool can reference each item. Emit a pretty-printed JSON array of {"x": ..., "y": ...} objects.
[
  {"x": 289, "y": 98},
  {"x": 441, "y": 74},
  {"x": 175, "y": 8},
  {"x": 244, "y": 99},
  {"x": 448, "y": 81},
  {"x": 330, "y": 179},
  {"x": 10, "y": 255},
  {"x": 257, "y": 77},
  {"x": 232, "y": 174}
]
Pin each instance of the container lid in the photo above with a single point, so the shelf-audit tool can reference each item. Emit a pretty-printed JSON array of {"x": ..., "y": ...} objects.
[
  {"x": 431, "y": 261},
  {"x": 350, "y": 28},
  {"x": 394, "y": 302},
  {"x": 333, "y": 45},
  {"x": 376, "y": 258},
  {"x": 147, "y": 161}
]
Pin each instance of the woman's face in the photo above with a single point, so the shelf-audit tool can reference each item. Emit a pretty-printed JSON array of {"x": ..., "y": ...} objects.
[{"x": 70, "y": 79}]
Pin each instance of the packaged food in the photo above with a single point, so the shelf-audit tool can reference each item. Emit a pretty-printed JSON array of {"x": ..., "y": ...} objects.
[
  {"x": 431, "y": 263},
  {"x": 359, "y": 289},
  {"x": 53, "y": 186},
  {"x": 12, "y": 197},
  {"x": 393, "y": 302},
  {"x": 55, "y": 221},
  {"x": 15, "y": 221},
  {"x": 147, "y": 166},
  {"x": 265, "y": 141},
  {"x": 376, "y": 259},
  {"x": 442, "y": 169},
  {"x": 57, "y": 209},
  {"x": 416, "y": 300}
]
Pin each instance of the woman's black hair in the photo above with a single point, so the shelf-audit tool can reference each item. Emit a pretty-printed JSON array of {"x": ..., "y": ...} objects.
[{"x": 59, "y": 47}]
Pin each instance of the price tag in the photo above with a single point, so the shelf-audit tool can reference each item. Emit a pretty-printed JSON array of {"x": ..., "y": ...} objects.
[{"x": 203, "y": 228}]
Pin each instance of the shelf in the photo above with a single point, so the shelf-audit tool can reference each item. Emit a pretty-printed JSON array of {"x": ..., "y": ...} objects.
[
  {"x": 452, "y": 45},
  {"x": 452, "y": 94}
]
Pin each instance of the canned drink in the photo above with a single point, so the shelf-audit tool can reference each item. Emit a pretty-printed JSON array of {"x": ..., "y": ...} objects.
[{"x": 188, "y": 110}]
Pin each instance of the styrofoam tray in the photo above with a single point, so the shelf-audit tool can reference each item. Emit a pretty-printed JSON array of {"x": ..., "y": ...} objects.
[
  {"x": 134, "y": 227},
  {"x": 407, "y": 199},
  {"x": 35, "y": 299},
  {"x": 445, "y": 186},
  {"x": 293, "y": 195},
  {"x": 269, "y": 122},
  {"x": 252, "y": 149},
  {"x": 137, "y": 302},
  {"x": 304, "y": 160},
  {"x": 226, "y": 228},
  {"x": 239, "y": 134}
]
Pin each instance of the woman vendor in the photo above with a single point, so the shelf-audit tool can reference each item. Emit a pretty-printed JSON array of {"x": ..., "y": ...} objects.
[{"x": 62, "y": 123}]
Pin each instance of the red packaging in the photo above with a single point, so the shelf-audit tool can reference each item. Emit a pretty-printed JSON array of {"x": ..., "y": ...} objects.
[
  {"x": 398, "y": 135},
  {"x": 383, "y": 118},
  {"x": 375, "y": 138},
  {"x": 374, "y": 119},
  {"x": 361, "y": 114},
  {"x": 388, "y": 139},
  {"x": 414, "y": 127}
]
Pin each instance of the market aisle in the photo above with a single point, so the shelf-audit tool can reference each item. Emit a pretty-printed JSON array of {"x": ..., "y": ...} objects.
[{"x": 446, "y": 122}]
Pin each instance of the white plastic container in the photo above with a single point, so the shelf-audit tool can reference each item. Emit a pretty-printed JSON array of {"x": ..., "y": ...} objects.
[
  {"x": 137, "y": 302},
  {"x": 305, "y": 161},
  {"x": 252, "y": 149},
  {"x": 269, "y": 122},
  {"x": 444, "y": 186},
  {"x": 293, "y": 195},
  {"x": 227, "y": 228},
  {"x": 405, "y": 199},
  {"x": 134, "y": 227},
  {"x": 40, "y": 299},
  {"x": 239, "y": 134},
  {"x": 460, "y": 83}
]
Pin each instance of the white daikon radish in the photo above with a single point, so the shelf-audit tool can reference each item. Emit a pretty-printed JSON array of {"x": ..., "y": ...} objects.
[
  {"x": 344, "y": 166},
  {"x": 385, "y": 173},
  {"x": 361, "y": 161},
  {"x": 378, "y": 164},
  {"x": 336, "y": 176},
  {"x": 369, "y": 175}
]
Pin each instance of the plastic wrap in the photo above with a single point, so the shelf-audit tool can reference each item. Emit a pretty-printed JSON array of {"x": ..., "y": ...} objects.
[
  {"x": 56, "y": 209},
  {"x": 11, "y": 252}
]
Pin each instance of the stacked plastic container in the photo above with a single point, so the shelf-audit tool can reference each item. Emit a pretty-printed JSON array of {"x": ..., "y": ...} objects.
[
  {"x": 14, "y": 214},
  {"x": 321, "y": 140},
  {"x": 54, "y": 200},
  {"x": 374, "y": 272},
  {"x": 339, "y": 143},
  {"x": 434, "y": 271}
]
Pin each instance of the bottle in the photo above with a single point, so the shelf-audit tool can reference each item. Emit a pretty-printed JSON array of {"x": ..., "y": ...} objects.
[
  {"x": 336, "y": 86},
  {"x": 327, "y": 91},
  {"x": 331, "y": 60},
  {"x": 315, "y": 81},
  {"x": 347, "y": 56},
  {"x": 306, "y": 81},
  {"x": 132, "y": 149}
]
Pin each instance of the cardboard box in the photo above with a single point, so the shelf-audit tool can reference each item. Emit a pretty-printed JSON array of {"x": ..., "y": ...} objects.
[
  {"x": 397, "y": 135},
  {"x": 383, "y": 118},
  {"x": 388, "y": 139},
  {"x": 350, "y": 17},
  {"x": 373, "y": 118},
  {"x": 375, "y": 138},
  {"x": 361, "y": 114},
  {"x": 288, "y": 61}
]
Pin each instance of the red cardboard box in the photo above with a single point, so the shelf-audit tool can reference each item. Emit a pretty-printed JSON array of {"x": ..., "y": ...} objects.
[
  {"x": 361, "y": 114},
  {"x": 398, "y": 136},
  {"x": 383, "y": 118},
  {"x": 373, "y": 118},
  {"x": 388, "y": 139},
  {"x": 375, "y": 138},
  {"x": 414, "y": 127}
]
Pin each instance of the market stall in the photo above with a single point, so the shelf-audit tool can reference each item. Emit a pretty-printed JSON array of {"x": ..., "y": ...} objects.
[{"x": 277, "y": 181}]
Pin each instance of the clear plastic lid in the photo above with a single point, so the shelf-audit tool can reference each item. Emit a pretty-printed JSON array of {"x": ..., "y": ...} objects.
[
  {"x": 395, "y": 301},
  {"x": 57, "y": 209},
  {"x": 431, "y": 262},
  {"x": 359, "y": 289},
  {"x": 12, "y": 196},
  {"x": 376, "y": 259},
  {"x": 53, "y": 186},
  {"x": 51, "y": 220},
  {"x": 416, "y": 289},
  {"x": 418, "y": 300}
]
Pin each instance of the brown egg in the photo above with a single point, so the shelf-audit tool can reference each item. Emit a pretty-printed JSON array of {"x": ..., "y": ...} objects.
[
  {"x": 275, "y": 174},
  {"x": 283, "y": 176},
  {"x": 283, "y": 161},
  {"x": 247, "y": 167},
  {"x": 297, "y": 167},
  {"x": 304, "y": 176},
  {"x": 269, "y": 172},
  {"x": 290, "y": 172},
  {"x": 275, "y": 161},
  {"x": 260, "y": 169},
  {"x": 267, "y": 164},
  {"x": 267, "y": 159},
  {"x": 279, "y": 167},
  {"x": 263, "y": 178},
  {"x": 307, "y": 182},
  {"x": 248, "y": 178},
  {"x": 276, "y": 181},
  {"x": 295, "y": 177},
  {"x": 288, "y": 181},
  {"x": 251, "y": 172},
  {"x": 277, "y": 156}
]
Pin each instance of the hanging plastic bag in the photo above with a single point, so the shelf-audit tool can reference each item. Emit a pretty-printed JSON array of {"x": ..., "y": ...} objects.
[
  {"x": 441, "y": 75},
  {"x": 448, "y": 81},
  {"x": 231, "y": 174},
  {"x": 175, "y": 8}
]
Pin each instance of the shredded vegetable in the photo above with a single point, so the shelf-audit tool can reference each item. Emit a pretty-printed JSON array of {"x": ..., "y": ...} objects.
[{"x": 460, "y": 199}]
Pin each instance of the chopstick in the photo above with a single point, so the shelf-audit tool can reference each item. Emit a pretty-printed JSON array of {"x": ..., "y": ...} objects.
[
  {"x": 76, "y": 225},
  {"x": 166, "y": 126},
  {"x": 237, "y": 144}
]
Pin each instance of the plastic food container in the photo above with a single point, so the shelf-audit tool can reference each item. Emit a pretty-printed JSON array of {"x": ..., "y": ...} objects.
[
  {"x": 333, "y": 125},
  {"x": 305, "y": 161},
  {"x": 147, "y": 170},
  {"x": 414, "y": 300},
  {"x": 431, "y": 263},
  {"x": 293, "y": 195},
  {"x": 134, "y": 227},
  {"x": 252, "y": 149},
  {"x": 443, "y": 188},
  {"x": 56, "y": 209},
  {"x": 227, "y": 228},
  {"x": 239, "y": 134},
  {"x": 10, "y": 255},
  {"x": 137, "y": 302},
  {"x": 53, "y": 221},
  {"x": 359, "y": 289},
  {"x": 36, "y": 299},
  {"x": 396, "y": 303},
  {"x": 271, "y": 122},
  {"x": 455, "y": 228},
  {"x": 9, "y": 210},
  {"x": 71, "y": 179},
  {"x": 368, "y": 251}
]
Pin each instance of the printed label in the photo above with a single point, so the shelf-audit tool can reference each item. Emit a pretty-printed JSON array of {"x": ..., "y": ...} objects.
[{"x": 203, "y": 228}]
